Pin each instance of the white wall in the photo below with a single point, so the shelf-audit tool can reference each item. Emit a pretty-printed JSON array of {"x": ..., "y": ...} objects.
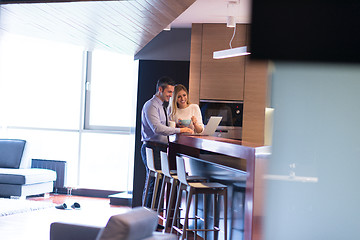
[{"x": 317, "y": 127}]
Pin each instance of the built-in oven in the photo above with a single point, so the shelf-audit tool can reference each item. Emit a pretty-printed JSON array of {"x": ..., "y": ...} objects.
[{"x": 232, "y": 116}]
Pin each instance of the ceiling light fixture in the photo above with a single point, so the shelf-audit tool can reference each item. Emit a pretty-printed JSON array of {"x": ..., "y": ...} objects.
[
  {"x": 230, "y": 23},
  {"x": 231, "y": 12},
  {"x": 232, "y": 52}
]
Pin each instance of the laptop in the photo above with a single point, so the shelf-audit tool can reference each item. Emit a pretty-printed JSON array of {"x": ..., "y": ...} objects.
[{"x": 210, "y": 127}]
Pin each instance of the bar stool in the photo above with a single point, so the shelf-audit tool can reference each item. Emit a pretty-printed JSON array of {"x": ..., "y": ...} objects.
[
  {"x": 237, "y": 184},
  {"x": 152, "y": 173},
  {"x": 215, "y": 189},
  {"x": 170, "y": 179}
]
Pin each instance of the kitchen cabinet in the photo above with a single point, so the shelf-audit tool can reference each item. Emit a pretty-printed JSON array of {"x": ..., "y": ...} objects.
[
  {"x": 255, "y": 100},
  {"x": 220, "y": 79},
  {"x": 237, "y": 78}
]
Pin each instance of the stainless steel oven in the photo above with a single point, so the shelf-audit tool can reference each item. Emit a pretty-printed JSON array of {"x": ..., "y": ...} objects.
[{"x": 232, "y": 113}]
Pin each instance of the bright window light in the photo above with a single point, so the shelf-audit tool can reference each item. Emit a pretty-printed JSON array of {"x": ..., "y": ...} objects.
[
  {"x": 41, "y": 83},
  {"x": 42, "y": 101},
  {"x": 112, "y": 90}
]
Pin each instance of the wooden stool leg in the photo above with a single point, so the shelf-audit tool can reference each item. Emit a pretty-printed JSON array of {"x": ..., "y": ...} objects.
[
  {"x": 147, "y": 188},
  {"x": 216, "y": 216},
  {"x": 156, "y": 186},
  {"x": 170, "y": 206},
  {"x": 186, "y": 220},
  {"x": 162, "y": 193},
  {"x": 161, "y": 205},
  {"x": 177, "y": 208}
]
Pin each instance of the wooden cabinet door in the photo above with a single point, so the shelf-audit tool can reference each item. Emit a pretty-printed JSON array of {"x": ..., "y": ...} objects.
[
  {"x": 255, "y": 99},
  {"x": 222, "y": 79}
]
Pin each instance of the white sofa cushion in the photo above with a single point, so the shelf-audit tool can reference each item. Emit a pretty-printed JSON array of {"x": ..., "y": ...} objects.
[{"x": 22, "y": 176}]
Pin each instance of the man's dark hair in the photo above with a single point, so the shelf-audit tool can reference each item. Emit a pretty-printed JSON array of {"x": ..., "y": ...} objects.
[{"x": 163, "y": 82}]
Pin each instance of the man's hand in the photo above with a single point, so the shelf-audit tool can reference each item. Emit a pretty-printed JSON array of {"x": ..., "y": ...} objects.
[{"x": 186, "y": 130}]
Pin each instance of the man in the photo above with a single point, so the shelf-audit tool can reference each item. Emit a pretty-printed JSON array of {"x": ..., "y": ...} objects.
[{"x": 154, "y": 129}]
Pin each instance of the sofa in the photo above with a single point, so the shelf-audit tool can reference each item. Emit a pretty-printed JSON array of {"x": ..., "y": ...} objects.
[
  {"x": 138, "y": 224},
  {"x": 18, "y": 180}
]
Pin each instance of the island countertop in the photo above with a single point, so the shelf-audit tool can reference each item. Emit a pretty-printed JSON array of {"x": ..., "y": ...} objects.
[{"x": 243, "y": 156}]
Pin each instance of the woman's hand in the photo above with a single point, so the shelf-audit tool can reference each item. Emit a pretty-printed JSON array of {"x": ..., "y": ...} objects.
[
  {"x": 178, "y": 124},
  {"x": 194, "y": 120},
  {"x": 197, "y": 127}
]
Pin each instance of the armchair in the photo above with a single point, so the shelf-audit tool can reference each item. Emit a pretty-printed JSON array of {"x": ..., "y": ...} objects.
[
  {"x": 137, "y": 224},
  {"x": 21, "y": 182}
]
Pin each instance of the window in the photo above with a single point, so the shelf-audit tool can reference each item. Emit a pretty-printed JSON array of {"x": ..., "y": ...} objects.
[
  {"x": 111, "y": 87},
  {"x": 105, "y": 161},
  {"x": 40, "y": 89},
  {"x": 42, "y": 101}
]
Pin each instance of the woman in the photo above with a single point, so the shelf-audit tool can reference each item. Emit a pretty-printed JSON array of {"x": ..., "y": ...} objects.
[{"x": 182, "y": 109}]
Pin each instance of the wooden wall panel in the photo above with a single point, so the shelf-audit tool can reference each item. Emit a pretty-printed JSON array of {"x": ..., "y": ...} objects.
[
  {"x": 222, "y": 78},
  {"x": 195, "y": 63},
  {"x": 255, "y": 96}
]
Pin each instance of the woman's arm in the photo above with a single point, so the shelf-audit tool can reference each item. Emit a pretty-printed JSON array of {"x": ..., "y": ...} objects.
[
  {"x": 197, "y": 127},
  {"x": 197, "y": 119}
]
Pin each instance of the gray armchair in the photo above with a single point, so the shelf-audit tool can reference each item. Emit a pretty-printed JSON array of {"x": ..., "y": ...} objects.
[
  {"x": 21, "y": 182},
  {"x": 137, "y": 224}
]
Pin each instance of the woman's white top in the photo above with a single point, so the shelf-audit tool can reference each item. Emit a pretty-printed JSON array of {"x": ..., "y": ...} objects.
[{"x": 187, "y": 113}]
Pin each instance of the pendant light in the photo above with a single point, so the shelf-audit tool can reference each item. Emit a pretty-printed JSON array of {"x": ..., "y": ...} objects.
[{"x": 231, "y": 22}]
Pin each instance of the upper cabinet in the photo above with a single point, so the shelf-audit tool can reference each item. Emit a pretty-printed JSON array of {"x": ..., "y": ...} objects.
[
  {"x": 237, "y": 78},
  {"x": 255, "y": 100},
  {"x": 220, "y": 79}
]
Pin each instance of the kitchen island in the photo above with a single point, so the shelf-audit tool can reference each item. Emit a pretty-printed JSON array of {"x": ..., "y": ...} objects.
[{"x": 216, "y": 157}]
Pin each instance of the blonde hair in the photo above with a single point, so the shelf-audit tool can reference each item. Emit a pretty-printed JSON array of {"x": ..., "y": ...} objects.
[{"x": 174, "y": 106}]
